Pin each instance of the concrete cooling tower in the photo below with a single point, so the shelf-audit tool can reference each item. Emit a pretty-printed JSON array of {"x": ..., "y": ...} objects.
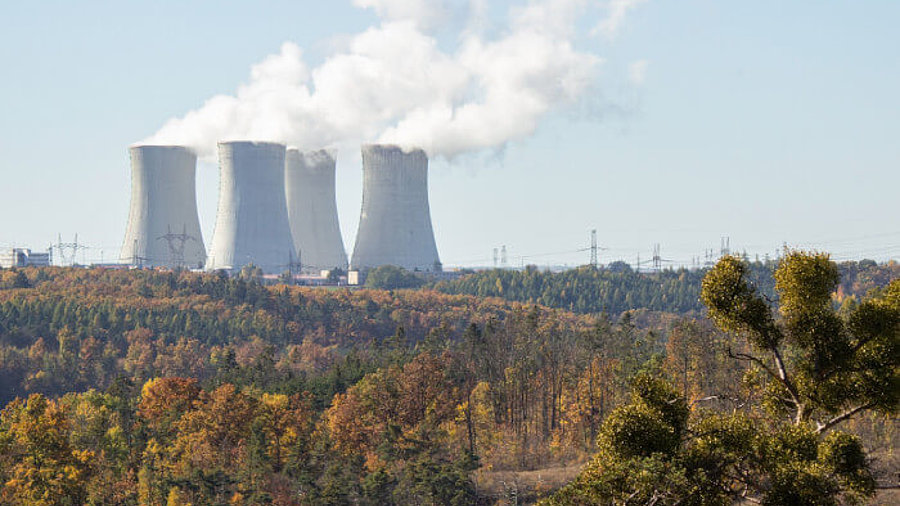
[
  {"x": 395, "y": 222},
  {"x": 252, "y": 220},
  {"x": 163, "y": 227},
  {"x": 312, "y": 209}
]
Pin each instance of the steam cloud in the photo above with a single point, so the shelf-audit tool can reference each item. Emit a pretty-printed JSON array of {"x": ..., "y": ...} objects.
[{"x": 394, "y": 84}]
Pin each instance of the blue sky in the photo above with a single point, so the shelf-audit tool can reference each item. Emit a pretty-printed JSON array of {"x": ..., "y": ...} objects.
[{"x": 766, "y": 121}]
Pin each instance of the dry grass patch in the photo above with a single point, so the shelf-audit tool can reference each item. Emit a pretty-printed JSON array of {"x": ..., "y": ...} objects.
[{"x": 523, "y": 487}]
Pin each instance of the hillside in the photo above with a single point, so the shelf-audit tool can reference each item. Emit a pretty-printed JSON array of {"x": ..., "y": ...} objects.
[
  {"x": 617, "y": 288},
  {"x": 109, "y": 323},
  {"x": 148, "y": 387}
]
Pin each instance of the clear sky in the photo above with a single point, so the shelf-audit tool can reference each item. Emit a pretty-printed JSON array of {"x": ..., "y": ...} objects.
[{"x": 769, "y": 122}]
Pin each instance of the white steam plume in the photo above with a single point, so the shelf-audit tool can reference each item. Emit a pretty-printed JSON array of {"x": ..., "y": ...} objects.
[
  {"x": 394, "y": 84},
  {"x": 618, "y": 9},
  {"x": 424, "y": 12}
]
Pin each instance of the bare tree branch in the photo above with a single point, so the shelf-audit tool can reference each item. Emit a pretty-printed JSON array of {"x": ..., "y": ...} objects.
[
  {"x": 781, "y": 376},
  {"x": 822, "y": 427},
  {"x": 788, "y": 384},
  {"x": 750, "y": 358}
]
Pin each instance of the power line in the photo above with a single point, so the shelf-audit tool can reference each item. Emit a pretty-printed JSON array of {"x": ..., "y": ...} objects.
[
  {"x": 176, "y": 243},
  {"x": 66, "y": 252},
  {"x": 706, "y": 259}
]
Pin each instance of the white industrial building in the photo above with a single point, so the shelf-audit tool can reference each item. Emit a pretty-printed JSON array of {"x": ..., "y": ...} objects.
[
  {"x": 163, "y": 226},
  {"x": 252, "y": 225},
  {"x": 23, "y": 257},
  {"x": 276, "y": 210},
  {"x": 312, "y": 210},
  {"x": 395, "y": 220}
]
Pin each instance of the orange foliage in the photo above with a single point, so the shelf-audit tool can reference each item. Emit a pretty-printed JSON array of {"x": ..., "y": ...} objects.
[{"x": 164, "y": 400}]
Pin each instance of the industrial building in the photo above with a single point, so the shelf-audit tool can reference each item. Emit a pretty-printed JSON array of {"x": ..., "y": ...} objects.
[
  {"x": 277, "y": 211},
  {"x": 23, "y": 257},
  {"x": 163, "y": 227},
  {"x": 312, "y": 210},
  {"x": 252, "y": 225},
  {"x": 395, "y": 220}
]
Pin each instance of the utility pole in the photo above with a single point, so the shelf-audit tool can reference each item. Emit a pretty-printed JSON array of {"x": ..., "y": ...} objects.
[{"x": 136, "y": 260}]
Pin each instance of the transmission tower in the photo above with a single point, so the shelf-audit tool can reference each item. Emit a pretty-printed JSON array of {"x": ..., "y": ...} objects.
[
  {"x": 138, "y": 261},
  {"x": 594, "y": 260},
  {"x": 176, "y": 244},
  {"x": 292, "y": 265},
  {"x": 66, "y": 252},
  {"x": 656, "y": 261}
]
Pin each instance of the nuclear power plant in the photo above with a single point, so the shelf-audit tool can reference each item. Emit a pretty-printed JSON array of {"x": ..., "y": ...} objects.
[
  {"x": 395, "y": 221},
  {"x": 163, "y": 227},
  {"x": 277, "y": 210},
  {"x": 312, "y": 209},
  {"x": 252, "y": 225}
]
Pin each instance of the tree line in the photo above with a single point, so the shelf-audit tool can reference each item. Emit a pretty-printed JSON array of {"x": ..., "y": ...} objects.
[{"x": 618, "y": 288}]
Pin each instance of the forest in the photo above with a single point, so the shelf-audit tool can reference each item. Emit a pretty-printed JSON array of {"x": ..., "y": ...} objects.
[
  {"x": 617, "y": 288},
  {"x": 152, "y": 387}
]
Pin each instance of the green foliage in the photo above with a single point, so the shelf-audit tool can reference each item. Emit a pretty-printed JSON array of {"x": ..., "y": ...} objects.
[
  {"x": 585, "y": 289},
  {"x": 199, "y": 388},
  {"x": 251, "y": 273},
  {"x": 389, "y": 277},
  {"x": 220, "y": 389},
  {"x": 79, "y": 329},
  {"x": 719, "y": 459},
  {"x": 661, "y": 398},
  {"x": 827, "y": 367},
  {"x": 653, "y": 423},
  {"x": 20, "y": 280},
  {"x": 843, "y": 455},
  {"x": 820, "y": 369},
  {"x": 429, "y": 481},
  {"x": 643, "y": 480},
  {"x": 805, "y": 281},
  {"x": 618, "y": 288},
  {"x": 735, "y": 307},
  {"x": 335, "y": 274},
  {"x": 378, "y": 487}
]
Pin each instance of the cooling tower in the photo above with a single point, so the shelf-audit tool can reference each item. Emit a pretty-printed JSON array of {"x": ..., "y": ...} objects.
[
  {"x": 163, "y": 228},
  {"x": 252, "y": 220},
  {"x": 395, "y": 222},
  {"x": 312, "y": 209}
]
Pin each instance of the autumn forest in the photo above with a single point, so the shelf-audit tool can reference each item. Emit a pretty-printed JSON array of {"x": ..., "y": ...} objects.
[{"x": 501, "y": 387}]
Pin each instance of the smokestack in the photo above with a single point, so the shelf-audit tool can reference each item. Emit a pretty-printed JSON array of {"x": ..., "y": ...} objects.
[
  {"x": 312, "y": 209},
  {"x": 395, "y": 222},
  {"x": 252, "y": 221},
  {"x": 163, "y": 226}
]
